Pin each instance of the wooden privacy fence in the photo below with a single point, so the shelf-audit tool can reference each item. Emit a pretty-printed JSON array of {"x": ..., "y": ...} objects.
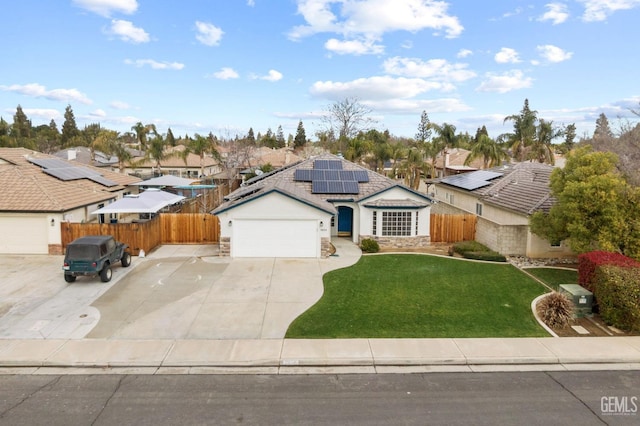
[
  {"x": 166, "y": 228},
  {"x": 450, "y": 228}
]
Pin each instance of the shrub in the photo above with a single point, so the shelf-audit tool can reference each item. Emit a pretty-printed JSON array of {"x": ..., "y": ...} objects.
[
  {"x": 588, "y": 264},
  {"x": 618, "y": 294},
  {"x": 462, "y": 247},
  {"x": 369, "y": 245},
  {"x": 491, "y": 256},
  {"x": 555, "y": 310}
]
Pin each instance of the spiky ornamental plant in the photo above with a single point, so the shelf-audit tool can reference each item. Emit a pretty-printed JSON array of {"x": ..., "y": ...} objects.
[{"x": 556, "y": 310}]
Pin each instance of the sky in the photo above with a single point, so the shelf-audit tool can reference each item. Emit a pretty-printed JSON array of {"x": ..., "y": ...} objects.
[{"x": 224, "y": 66}]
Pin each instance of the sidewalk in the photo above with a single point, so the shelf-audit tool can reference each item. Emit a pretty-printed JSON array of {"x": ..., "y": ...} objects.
[{"x": 301, "y": 356}]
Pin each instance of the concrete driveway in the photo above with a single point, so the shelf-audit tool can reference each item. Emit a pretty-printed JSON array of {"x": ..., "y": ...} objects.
[{"x": 176, "y": 292}]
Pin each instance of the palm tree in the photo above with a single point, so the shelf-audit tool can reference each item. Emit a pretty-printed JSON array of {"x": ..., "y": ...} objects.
[
  {"x": 142, "y": 130},
  {"x": 541, "y": 149},
  {"x": 357, "y": 149},
  {"x": 202, "y": 146},
  {"x": 524, "y": 131},
  {"x": 413, "y": 167},
  {"x": 446, "y": 138},
  {"x": 156, "y": 150},
  {"x": 487, "y": 149}
]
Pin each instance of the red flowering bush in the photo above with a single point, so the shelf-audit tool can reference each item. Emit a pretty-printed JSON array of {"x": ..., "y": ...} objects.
[{"x": 588, "y": 264}]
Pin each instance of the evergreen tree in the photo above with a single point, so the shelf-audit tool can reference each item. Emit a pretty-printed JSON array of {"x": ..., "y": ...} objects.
[
  {"x": 70, "y": 130},
  {"x": 424, "y": 128},
  {"x": 251, "y": 139},
  {"x": 569, "y": 137},
  {"x": 171, "y": 140},
  {"x": 280, "y": 141},
  {"x": 21, "y": 128},
  {"x": 301, "y": 137},
  {"x": 603, "y": 130}
]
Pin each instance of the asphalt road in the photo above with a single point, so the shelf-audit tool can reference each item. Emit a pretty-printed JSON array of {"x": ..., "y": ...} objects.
[{"x": 536, "y": 398}]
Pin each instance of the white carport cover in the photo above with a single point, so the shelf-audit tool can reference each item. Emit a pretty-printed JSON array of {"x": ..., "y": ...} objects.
[
  {"x": 150, "y": 201},
  {"x": 275, "y": 238}
]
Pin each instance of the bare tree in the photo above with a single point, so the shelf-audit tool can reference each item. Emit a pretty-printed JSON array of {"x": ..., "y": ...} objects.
[{"x": 346, "y": 118}]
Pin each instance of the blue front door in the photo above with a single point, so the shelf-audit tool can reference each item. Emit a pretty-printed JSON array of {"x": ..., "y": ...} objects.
[{"x": 345, "y": 220}]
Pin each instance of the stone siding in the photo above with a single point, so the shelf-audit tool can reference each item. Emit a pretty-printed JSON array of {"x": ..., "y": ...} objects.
[
  {"x": 509, "y": 240},
  {"x": 225, "y": 247},
  {"x": 399, "y": 242},
  {"x": 325, "y": 247},
  {"x": 55, "y": 249}
]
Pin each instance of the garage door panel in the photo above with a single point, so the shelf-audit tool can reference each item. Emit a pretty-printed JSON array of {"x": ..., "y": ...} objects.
[
  {"x": 275, "y": 238},
  {"x": 23, "y": 235}
]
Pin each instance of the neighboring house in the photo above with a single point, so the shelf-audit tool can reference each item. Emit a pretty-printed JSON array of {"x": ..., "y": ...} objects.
[
  {"x": 83, "y": 155},
  {"x": 503, "y": 198},
  {"x": 296, "y": 210},
  {"x": 174, "y": 164},
  {"x": 276, "y": 157},
  {"x": 39, "y": 191},
  {"x": 451, "y": 162}
]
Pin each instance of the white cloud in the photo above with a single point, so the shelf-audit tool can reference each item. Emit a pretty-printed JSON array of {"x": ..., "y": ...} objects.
[
  {"x": 557, "y": 13},
  {"x": 39, "y": 91},
  {"x": 128, "y": 32},
  {"x": 354, "y": 47},
  {"x": 107, "y": 7},
  {"x": 414, "y": 106},
  {"x": 272, "y": 76},
  {"x": 208, "y": 34},
  {"x": 139, "y": 63},
  {"x": 99, "y": 113},
  {"x": 434, "y": 69},
  {"x": 43, "y": 113},
  {"x": 505, "y": 82},
  {"x": 374, "y": 88},
  {"x": 251, "y": 3},
  {"x": 506, "y": 55},
  {"x": 599, "y": 10},
  {"x": 463, "y": 53},
  {"x": 553, "y": 53},
  {"x": 373, "y": 18},
  {"x": 119, "y": 105},
  {"x": 226, "y": 73}
]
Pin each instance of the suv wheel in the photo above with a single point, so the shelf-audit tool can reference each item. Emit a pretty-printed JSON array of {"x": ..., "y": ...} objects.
[
  {"x": 69, "y": 278},
  {"x": 105, "y": 274},
  {"x": 126, "y": 259}
]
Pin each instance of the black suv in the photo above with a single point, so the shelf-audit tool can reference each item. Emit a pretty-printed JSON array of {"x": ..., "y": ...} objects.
[{"x": 94, "y": 255}]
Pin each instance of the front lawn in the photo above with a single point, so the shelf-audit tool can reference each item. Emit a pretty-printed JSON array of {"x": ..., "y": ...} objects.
[
  {"x": 406, "y": 295},
  {"x": 553, "y": 277}
]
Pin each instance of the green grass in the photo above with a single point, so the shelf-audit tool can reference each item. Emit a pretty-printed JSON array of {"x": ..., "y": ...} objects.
[
  {"x": 417, "y": 296},
  {"x": 553, "y": 277}
]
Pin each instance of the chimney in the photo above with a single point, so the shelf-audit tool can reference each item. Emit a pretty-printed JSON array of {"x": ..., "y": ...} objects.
[
  {"x": 71, "y": 154},
  {"x": 287, "y": 157}
]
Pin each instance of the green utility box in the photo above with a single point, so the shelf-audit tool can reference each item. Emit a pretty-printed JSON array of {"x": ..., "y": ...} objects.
[{"x": 582, "y": 299}]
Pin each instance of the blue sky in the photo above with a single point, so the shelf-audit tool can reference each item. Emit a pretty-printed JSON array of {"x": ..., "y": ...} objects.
[{"x": 223, "y": 66}]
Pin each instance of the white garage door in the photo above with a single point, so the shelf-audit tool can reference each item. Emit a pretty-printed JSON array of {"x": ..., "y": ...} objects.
[
  {"x": 23, "y": 235},
  {"x": 275, "y": 238}
]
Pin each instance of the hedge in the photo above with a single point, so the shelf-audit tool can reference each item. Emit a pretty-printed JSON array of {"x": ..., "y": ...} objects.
[
  {"x": 618, "y": 294},
  {"x": 490, "y": 256},
  {"x": 463, "y": 247},
  {"x": 588, "y": 264}
]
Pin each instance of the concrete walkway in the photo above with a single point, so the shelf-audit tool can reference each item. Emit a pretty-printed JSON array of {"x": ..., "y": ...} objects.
[{"x": 290, "y": 356}]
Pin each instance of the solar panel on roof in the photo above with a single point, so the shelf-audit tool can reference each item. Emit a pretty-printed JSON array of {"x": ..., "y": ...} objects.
[
  {"x": 361, "y": 175},
  {"x": 319, "y": 187},
  {"x": 327, "y": 165},
  {"x": 346, "y": 175},
  {"x": 471, "y": 181},
  {"x": 332, "y": 174},
  {"x": 317, "y": 175},
  {"x": 303, "y": 175},
  {"x": 351, "y": 187},
  {"x": 335, "y": 187},
  {"x": 64, "y": 171}
]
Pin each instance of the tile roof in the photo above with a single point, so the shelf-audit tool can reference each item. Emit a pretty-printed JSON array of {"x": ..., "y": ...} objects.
[
  {"x": 523, "y": 188},
  {"x": 26, "y": 188},
  {"x": 285, "y": 177}
]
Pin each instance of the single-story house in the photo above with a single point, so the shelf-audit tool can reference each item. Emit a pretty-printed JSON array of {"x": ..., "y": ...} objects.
[
  {"x": 39, "y": 191},
  {"x": 190, "y": 166},
  {"x": 145, "y": 204},
  {"x": 296, "y": 210},
  {"x": 503, "y": 198}
]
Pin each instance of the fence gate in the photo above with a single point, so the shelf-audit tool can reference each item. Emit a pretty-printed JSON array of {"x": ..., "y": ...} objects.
[{"x": 451, "y": 228}]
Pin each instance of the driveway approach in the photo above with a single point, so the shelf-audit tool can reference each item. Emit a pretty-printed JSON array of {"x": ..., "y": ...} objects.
[{"x": 177, "y": 292}]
